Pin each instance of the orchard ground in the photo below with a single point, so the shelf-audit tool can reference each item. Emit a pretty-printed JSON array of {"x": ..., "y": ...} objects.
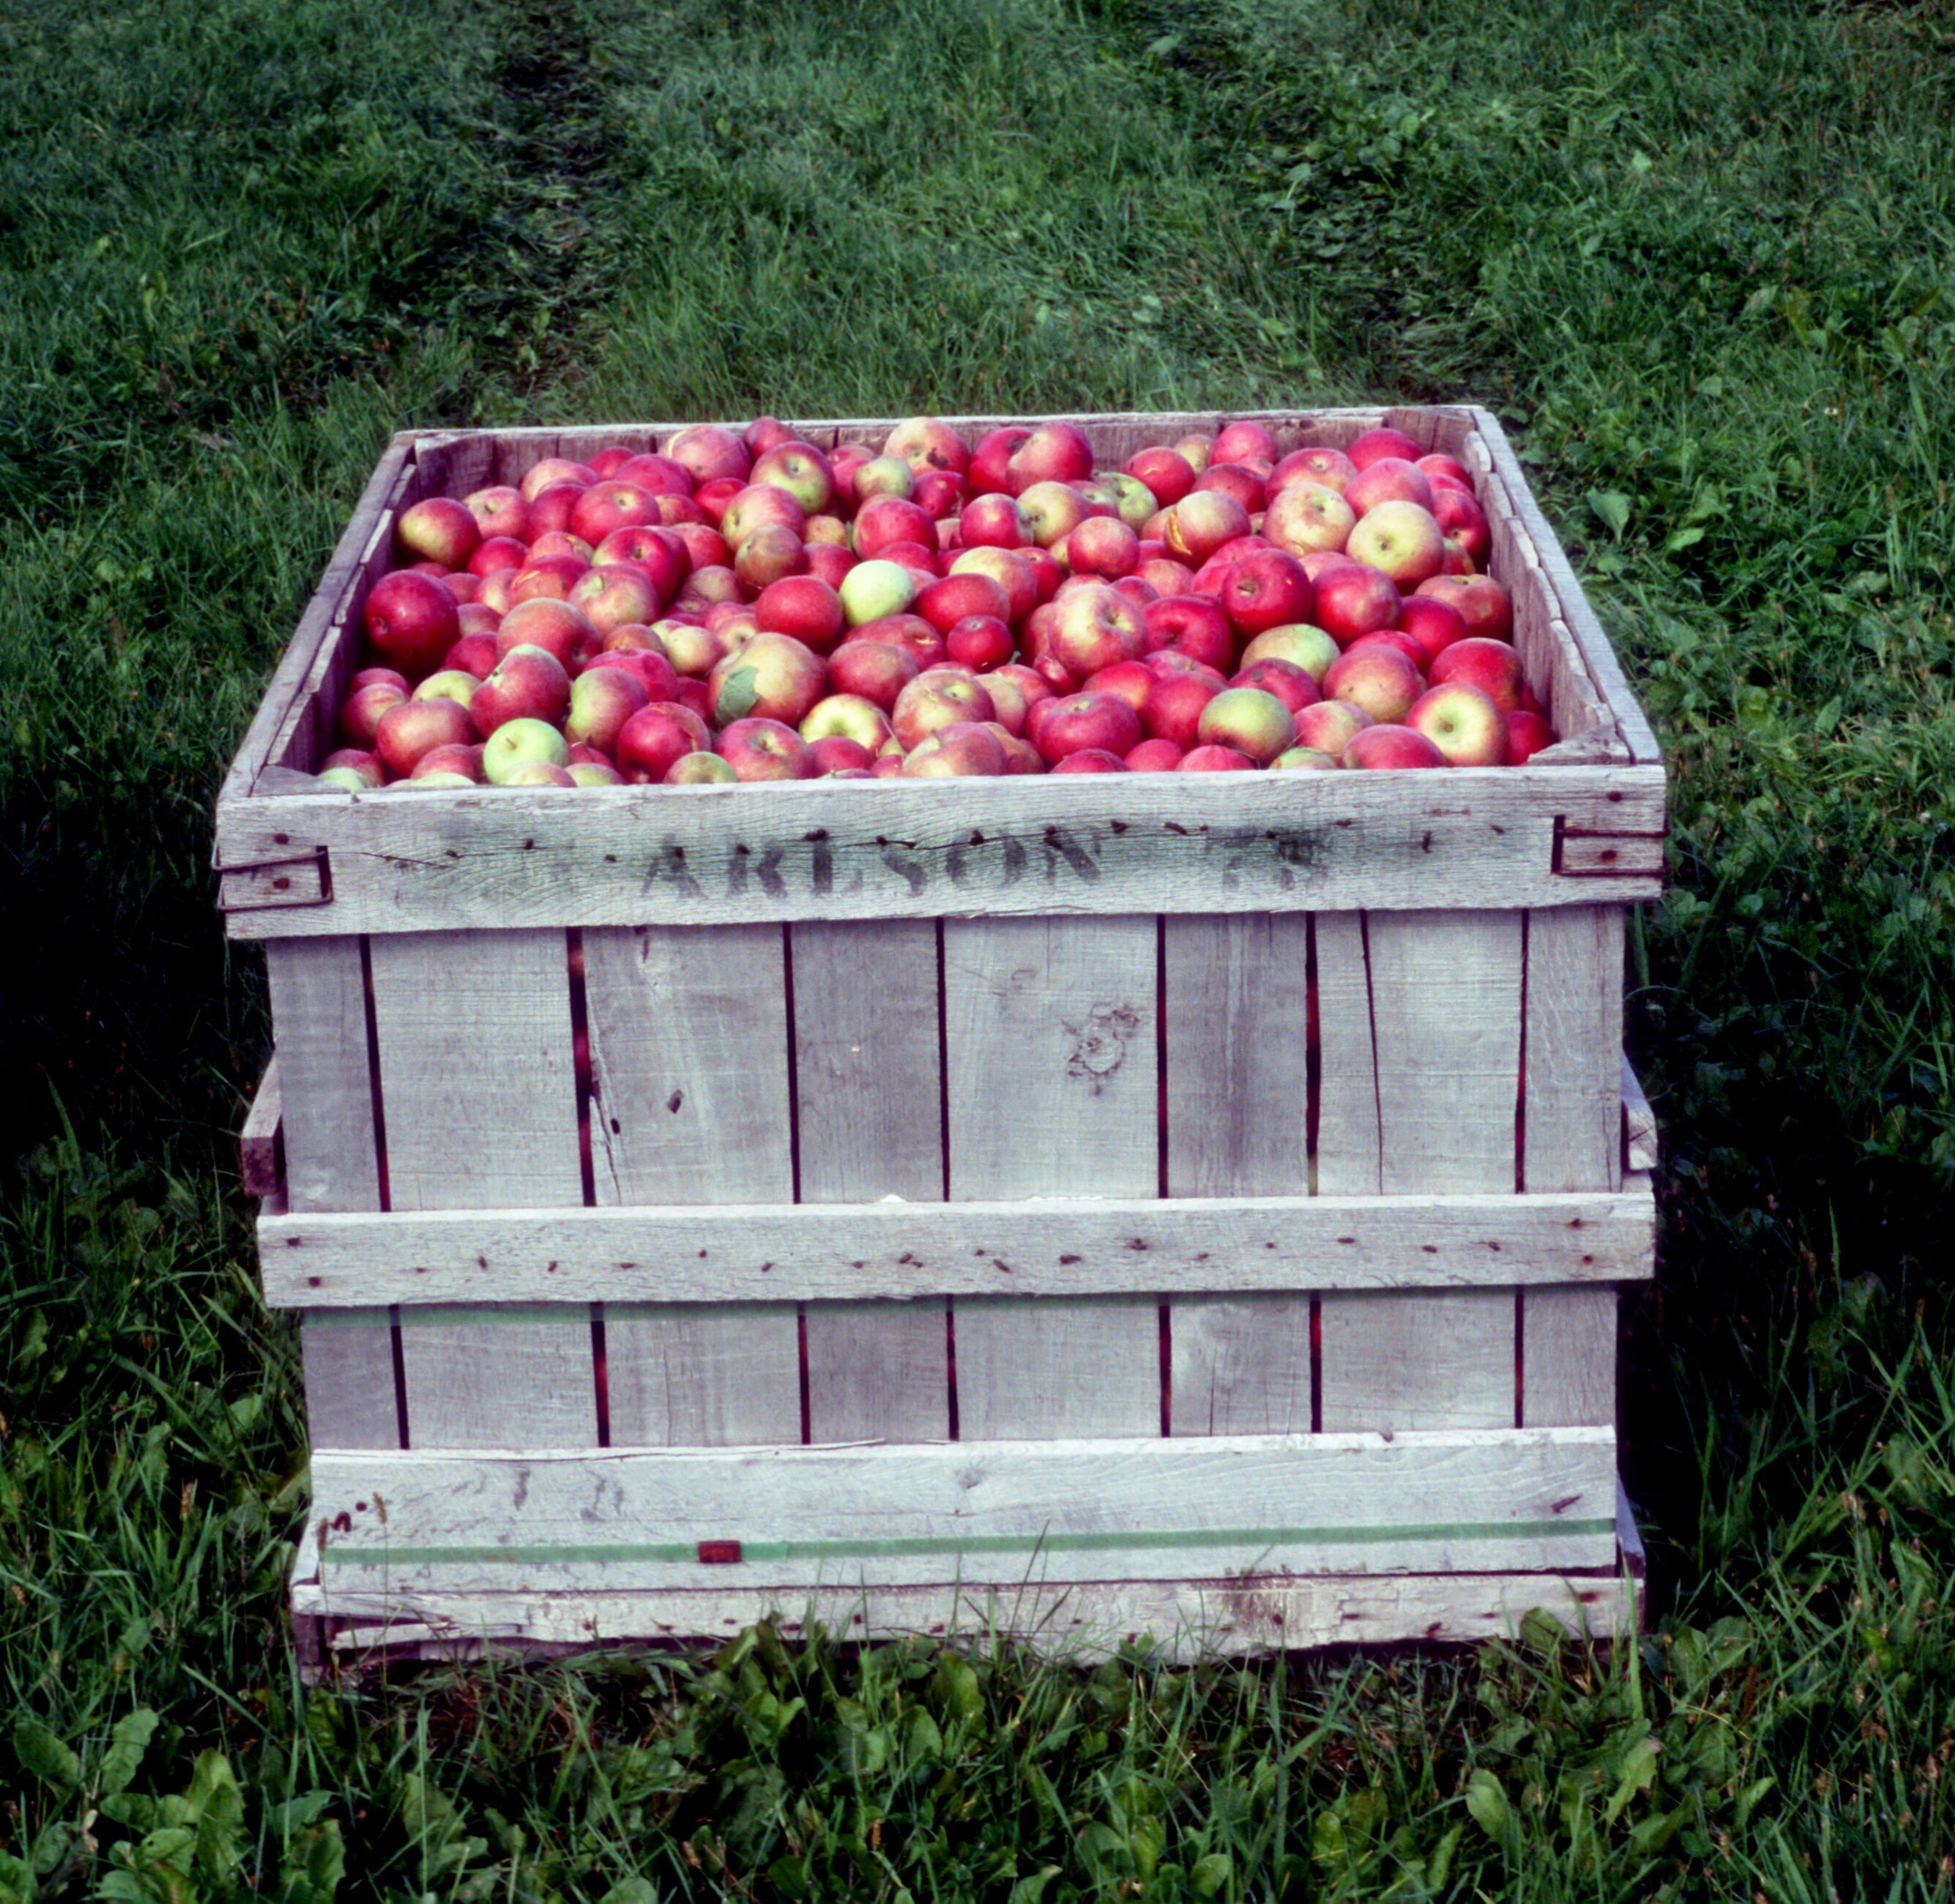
[{"x": 1702, "y": 259}]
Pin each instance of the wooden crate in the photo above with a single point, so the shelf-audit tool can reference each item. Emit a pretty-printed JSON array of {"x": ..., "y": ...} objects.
[{"x": 1187, "y": 1204}]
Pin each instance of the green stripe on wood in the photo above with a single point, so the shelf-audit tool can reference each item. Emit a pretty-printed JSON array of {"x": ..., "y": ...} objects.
[{"x": 952, "y": 1545}]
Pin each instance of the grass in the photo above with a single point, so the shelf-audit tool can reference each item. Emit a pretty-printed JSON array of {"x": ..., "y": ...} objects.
[{"x": 1702, "y": 258}]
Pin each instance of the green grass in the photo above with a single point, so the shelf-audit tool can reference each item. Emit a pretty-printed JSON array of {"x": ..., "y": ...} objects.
[{"x": 1702, "y": 257}]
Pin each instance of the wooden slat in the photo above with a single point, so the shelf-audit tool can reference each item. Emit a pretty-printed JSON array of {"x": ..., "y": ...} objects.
[
  {"x": 868, "y": 1083},
  {"x": 1185, "y": 1621},
  {"x": 1050, "y": 1044},
  {"x": 319, "y": 1015},
  {"x": 689, "y": 1105},
  {"x": 480, "y": 1101},
  {"x": 1598, "y": 654},
  {"x": 261, "y": 1142},
  {"x": 1110, "y": 845},
  {"x": 1573, "y": 1089},
  {"x": 1235, "y": 1003},
  {"x": 1569, "y": 1364},
  {"x": 1001, "y": 1513},
  {"x": 1446, "y": 1016},
  {"x": 1055, "y": 1247},
  {"x": 1347, "y": 1161},
  {"x": 1640, "y": 1146},
  {"x": 255, "y": 751}
]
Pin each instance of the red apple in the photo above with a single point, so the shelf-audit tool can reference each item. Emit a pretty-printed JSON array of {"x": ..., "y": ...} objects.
[
  {"x": 1166, "y": 475},
  {"x": 1203, "y": 522},
  {"x": 712, "y": 500},
  {"x": 764, "y": 432},
  {"x": 994, "y": 522},
  {"x": 700, "y": 769},
  {"x": 411, "y": 621},
  {"x": 1095, "y": 625},
  {"x": 1064, "y": 726},
  {"x": 1352, "y": 601},
  {"x": 937, "y": 698},
  {"x": 1017, "y": 689},
  {"x": 1380, "y": 680},
  {"x": 655, "y": 736},
  {"x": 961, "y": 749},
  {"x": 804, "y": 606},
  {"x": 979, "y": 641},
  {"x": 1493, "y": 667},
  {"x": 1250, "y": 719},
  {"x": 1215, "y": 759},
  {"x": 707, "y": 453},
  {"x": 1295, "y": 687},
  {"x": 1375, "y": 444},
  {"x": 928, "y": 444},
  {"x": 1243, "y": 440},
  {"x": 1172, "y": 709},
  {"x": 770, "y": 677},
  {"x": 606, "y": 508},
  {"x": 836, "y": 753},
  {"x": 1091, "y": 760},
  {"x": 946, "y": 602},
  {"x": 1010, "y": 570},
  {"x": 657, "y": 475},
  {"x": 1462, "y": 723},
  {"x": 554, "y": 472},
  {"x": 1389, "y": 745},
  {"x": 529, "y": 683},
  {"x": 1317, "y": 463},
  {"x": 614, "y": 596},
  {"x": 550, "y": 510},
  {"x": 1434, "y": 625},
  {"x": 1266, "y": 589},
  {"x": 1194, "y": 625},
  {"x": 1131, "y": 680},
  {"x": 560, "y": 626},
  {"x": 989, "y": 469},
  {"x": 704, "y": 547},
  {"x": 757, "y": 505},
  {"x": 1486, "y": 606},
  {"x": 549, "y": 578},
  {"x": 1232, "y": 480},
  {"x": 497, "y": 554},
  {"x": 500, "y": 513},
  {"x": 1463, "y": 521},
  {"x": 465, "y": 760},
  {"x": 1102, "y": 546},
  {"x": 1155, "y": 756},
  {"x": 1298, "y": 642},
  {"x": 759, "y": 749},
  {"x": 1054, "y": 452},
  {"x": 1400, "y": 539},
  {"x": 1527, "y": 733},
  {"x": 361, "y": 715},
  {"x": 601, "y": 700},
  {"x": 910, "y": 632},
  {"x": 885, "y": 521},
  {"x": 410, "y": 728},
  {"x": 1435, "y": 466},
  {"x": 1399, "y": 642},
  {"x": 876, "y": 671},
  {"x": 1329, "y": 725},
  {"x": 1307, "y": 516},
  {"x": 438, "y": 529},
  {"x": 1390, "y": 479},
  {"x": 1052, "y": 510},
  {"x": 376, "y": 677}
]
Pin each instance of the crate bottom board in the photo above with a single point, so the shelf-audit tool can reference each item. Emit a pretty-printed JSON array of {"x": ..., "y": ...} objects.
[{"x": 1086, "y": 1620}]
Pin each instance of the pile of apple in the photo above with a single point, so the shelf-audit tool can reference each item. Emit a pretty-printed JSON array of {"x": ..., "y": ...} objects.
[{"x": 744, "y": 606}]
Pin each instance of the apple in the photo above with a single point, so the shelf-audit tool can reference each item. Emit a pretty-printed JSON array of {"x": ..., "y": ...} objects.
[
  {"x": 759, "y": 505},
  {"x": 704, "y": 587},
  {"x": 1172, "y": 709},
  {"x": 770, "y": 677},
  {"x": 1433, "y": 624},
  {"x": 524, "y": 773},
  {"x": 655, "y": 736},
  {"x": 520, "y": 743},
  {"x": 593, "y": 773},
  {"x": 411, "y": 621},
  {"x": 1527, "y": 733},
  {"x": 652, "y": 673},
  {"x": 550, "y": 510},
  {"x": 713, "y": 499},
  {"x": 439, "y": 529},
  {"x": 876, "y": 671},
  {"x": 693, "y": 649},
  {"x": 658, "y": 475},
  {"x": 1016, "y": 686},
  {"x": 1020, "y": 756},
  {"x": 1131, "y": 680},
  {"x": 560, "y": 626},
  {"x": 804, "y": 606},
  {"x": 1157, "y": 755},
  {"x": 885, "y": 475},
  {"x": 1266, "y": 589},
  {"x": 874, "y": 589},
  {"x": 500, "y": 513},
  {"x": 922, "y": 562},
  {"x": 1295, "y": 687},
  {"x": 1010, "y": 570},
  {"x": 962, "y": 750},
  {"x": 464, "y": 759},
  {"x": 605, "y": 507},
  {"x": 885, "y": 521},
  {"x": 1436, "y": 465},
  {"x": 764, "y": 432},
  {"x": 1052, "y": 510},
  {"x": 1374, "y": 445},
  {"x": 1487, "y": 608},
  {"x": 801, "y": 470},
  {"x": 1329, "y": 724},
  {"x": 1399, "y": 642},
  {"x": 937, "y": 698},
  {"x": 1091, "y": 760},
  {"x": 601, "y": 700},
  {"x": 704, "y": 547},
  {"x": 1094, "y": 626},
  {"x": 993, "y": 521},
  {"x": 366, "y": 767},
  {"x": 359, "y": 716},
  {"x": 496, "y": 553},
  {"x": 1203, "y": 522},
  {"x": 554, "y": 472},
  {"x": 1390, "y": 745},
  {"x": 1463, "y": 723},
  {"x": 1353, "y": 600},
  {"x": 1314, "y": 758},
  {"x": 1319, "y": 562},
  {"x": 1380, "y": 680},
  {"x": 1400, "y": 539},
  {"x": 910, "y": 632},
  {"x": 618, "y": 595},
  {"x": 1316, "y": 462},
  {"x": 829, "y": 562},
  {"x": 852, "y": 717},
  {"x": 660, "y": 552},
  {"x": 1065, "y": 724},
  {"x": 1102, "y": 546},
  {"x": 769, "y": 554},
  {"x": 700, "y": 769},
  {"x": 528, "y": 683},
  {"x": 979, "y": 641},
  {"x": 1232, "y": 480},
  {"x": 953, "y": 598},
  {"x": 1215, "y": 758},
  {"x": 549, "y": 579},
  {"x": 1194, "y": 625},
  {"x": 1463, "y": 521},
  {"x": 1168, "y": 476},
  {"x": 1493, "y": 667},
  {"x": 928, "y": 444},
  {"x": 1243, "y": 439},
  {"x": 1390, "y": 479},
  {"x": 1197, "y": 451},
  {"x": 708, "y": 454},
  {"x": 1306, "y": 516},
  {"x": 757, "y": 749},
  {"x": 1051, "y": 452},
  {"x": 1250, "y": 720},
  {"x": 836, "y": 753},
  {"x": 989, "y": 468},
  {"x": 1308, "y": 648},
  {"x": 455, "y": 684}
]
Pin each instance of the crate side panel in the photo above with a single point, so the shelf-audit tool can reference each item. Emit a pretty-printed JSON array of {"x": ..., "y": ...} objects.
[
  {"x": 689, "y": 1104},
  {"x": 1240, "y": 1367},
  {"x": 1050, "y": 1043},
  {"x": 1347, "y": 1158},
  {"x": 869, "y": 1082},
  {"x": 479, "y": 1095},
  {"x": 351, "y": 1399},
  {"x": 1572, "y": 1129},
  {"x": 1445, "y": 1010},
  {"x": 1568, "y": 1362}
]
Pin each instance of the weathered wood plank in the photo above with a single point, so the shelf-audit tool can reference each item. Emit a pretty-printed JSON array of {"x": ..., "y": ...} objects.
[
  {"x": 497, "y": 857},
  {"x": 690, "y": 1105},
  {"x": 1346, "y": 1161},
  {"x": 869, "y": 1078},
  {"x": 1050, "y": 1248},
  {"x": 1568, "y": 1358},
  {"x": 351, "y": 1398},
  {"x": 480, "y": 1094},
  {"x": 261, "y": 1142},
  {"x": 1188, "y": 1620},
  {"x": 999, "y": 1513},
  {"x": 1241, "y": 1366},
  {"x": 1051, "y": 1079},
  {"x": 1572, "y": 1093},
  {"x": 1640, "y": 1146}
]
